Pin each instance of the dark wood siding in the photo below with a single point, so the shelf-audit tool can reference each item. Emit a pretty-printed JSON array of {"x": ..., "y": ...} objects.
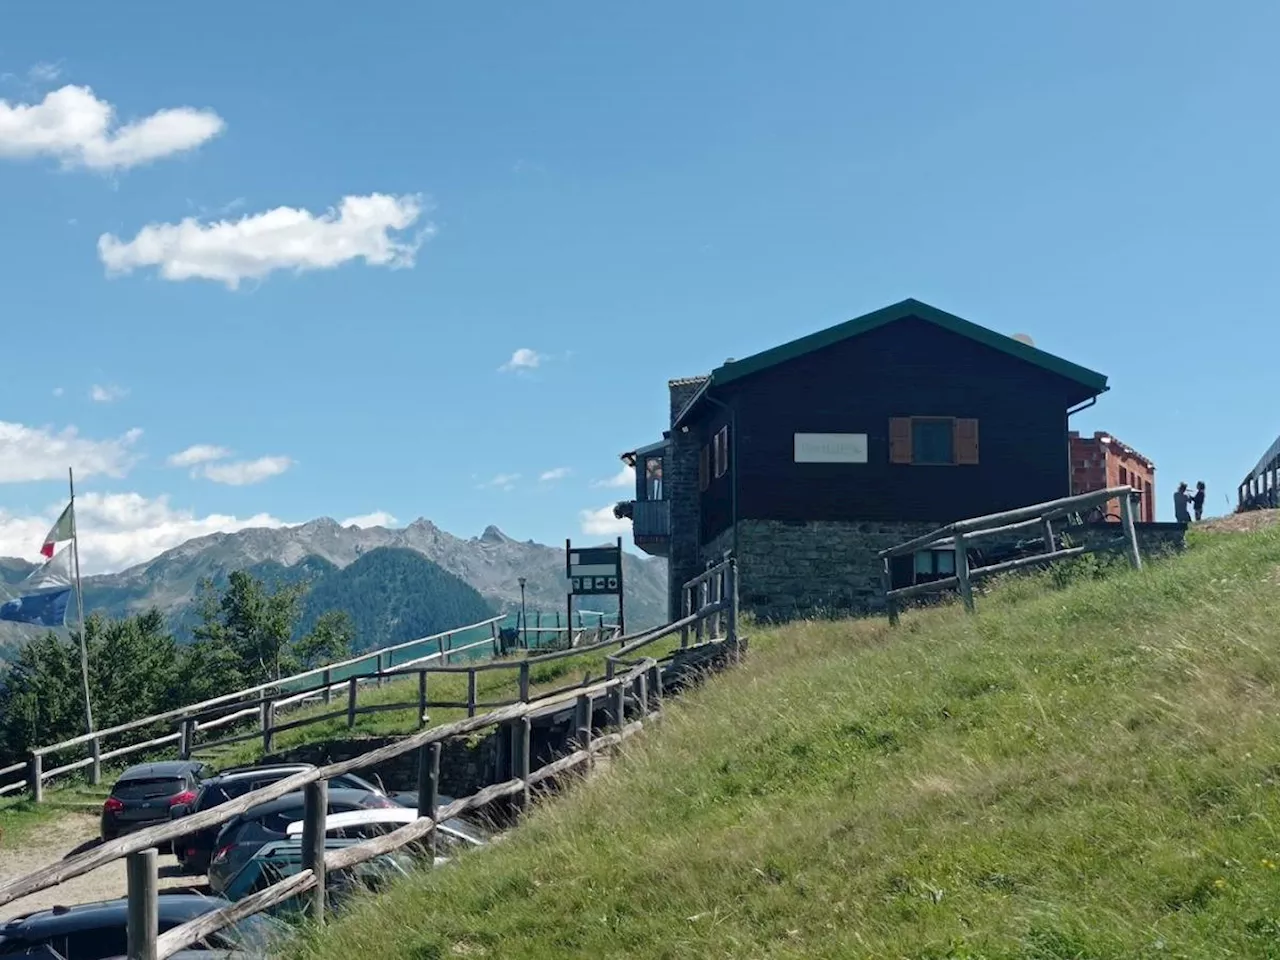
[
  {"x": 717, "y": 500},
  {"x": 905, "y": 369}
]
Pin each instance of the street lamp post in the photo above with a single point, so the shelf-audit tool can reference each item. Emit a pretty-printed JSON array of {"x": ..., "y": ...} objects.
[{"x": 524, "y": 617}]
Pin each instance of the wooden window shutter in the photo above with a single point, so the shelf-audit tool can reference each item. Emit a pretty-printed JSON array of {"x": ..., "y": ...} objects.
[
  {"x": 966, "y": 441},
  {"x": 899, "y": 439}
]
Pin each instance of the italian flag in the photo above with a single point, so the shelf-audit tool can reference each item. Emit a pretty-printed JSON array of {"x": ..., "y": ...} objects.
[{"x": 63, "y": 530}]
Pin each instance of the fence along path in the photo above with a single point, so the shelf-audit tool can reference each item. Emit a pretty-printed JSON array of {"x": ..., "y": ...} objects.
[
  {"x": 641, "y": 678},
  {"x": 1040, "y": 516},
  {"x": 264, "y": 701}
]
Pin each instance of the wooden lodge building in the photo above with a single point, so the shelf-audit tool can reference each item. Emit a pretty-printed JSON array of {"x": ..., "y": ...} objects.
[{"x": 808, "y": 458}]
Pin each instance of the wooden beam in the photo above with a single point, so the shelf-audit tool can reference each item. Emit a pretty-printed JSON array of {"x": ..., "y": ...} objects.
[
  {"x": 962, "y": 572},
  {"x": 315, "y": 809}
]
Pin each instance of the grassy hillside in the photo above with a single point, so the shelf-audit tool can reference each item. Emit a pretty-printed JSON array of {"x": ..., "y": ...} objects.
[{"x": 1080, "y": 770}]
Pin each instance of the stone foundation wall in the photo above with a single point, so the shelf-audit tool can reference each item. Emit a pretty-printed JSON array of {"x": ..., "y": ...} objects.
[{"x": 831, "y": 568}]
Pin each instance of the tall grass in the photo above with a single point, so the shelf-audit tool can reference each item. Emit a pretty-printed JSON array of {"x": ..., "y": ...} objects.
[{"x": 1089, "y": 767}]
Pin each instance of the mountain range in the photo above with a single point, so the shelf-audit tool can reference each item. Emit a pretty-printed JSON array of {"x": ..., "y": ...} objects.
[{"x": 313, "y": 551}]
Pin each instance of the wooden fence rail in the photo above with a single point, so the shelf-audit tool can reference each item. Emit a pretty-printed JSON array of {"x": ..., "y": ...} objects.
[
  {"x": 630, "y": 681},
  {"x": 960, "y": 535},
  {"x": 265, "y": 703},
  {"x": 213, "y": 711}
]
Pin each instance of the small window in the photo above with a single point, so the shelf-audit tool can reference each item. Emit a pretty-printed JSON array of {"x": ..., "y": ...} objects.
[
  {"x": 653, "y": 478},
  {"x": 704, "y": 468},
  {"x": 932, "y": 441},
  {"x": 722, "y": 451},
  {"x": 1124, "y": 476},
  {"x": 934, "y": 565}
]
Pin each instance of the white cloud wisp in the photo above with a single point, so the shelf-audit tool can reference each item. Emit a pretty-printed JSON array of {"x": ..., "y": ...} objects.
[
  {"x": 197, "y": 454},
  {"x": 626, "y": 477},
  {"x": 121, "y": 529},
  {"x": 74, "y": 126},
  {"x": 281, "y": 239},
  {"x": 379, "y": 518},
  {"x": 503, "y": 481},
  {"x": 556, "y": 473},
  {"x": 107, "y": 394},
  {"x": 210, "y": 462},
  {"x": 602, "y": 523},
  {"x": 523, "y": 359},
  {"x": 29, "y": 454}
]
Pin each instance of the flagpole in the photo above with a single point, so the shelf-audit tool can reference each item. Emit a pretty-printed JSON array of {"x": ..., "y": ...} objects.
[{"x": 84, "y": 641}]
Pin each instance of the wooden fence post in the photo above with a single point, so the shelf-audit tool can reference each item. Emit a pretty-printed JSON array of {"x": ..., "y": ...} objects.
[
  {"x": 642, "y": 693},
  {"x": 379, "y": 680},
  {"x": 731, "y": 631},
  {"x": 685, "y": 611},
  {"x": 95, "y": 768},
  {"x": 328, "y": 686},
  {"x": 315, "y": 807},
  {"x": 1130, "y": 532},
  {"x": 446, "y": 646},
  {"x": 582, "y": 709},
  {"x": 422, "y": 699},
  {"x": 471, "y": 693},
  {"x": 142, "y": 919},
  {"x": 184, "y": 740},
  {"x": 35, "y": 778},
  {"x": 351, "y": 702},
  {"x": 525, "y": 735},
  {"x": 1046, "y": 527},
  {"x": 618, "y": 706},
  {"x": 267, "y": 721},
  {"x": 524, "y": 681},
  {"x": 962, "y": 572},
  {"x": 886, "y": 582},
  {"x": 429, "y": 785}
]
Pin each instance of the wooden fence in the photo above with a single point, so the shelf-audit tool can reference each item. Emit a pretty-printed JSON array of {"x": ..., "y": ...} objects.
[
  {"x": 635, "y": 683},
  {"x": 960, "y": 535},
  {"x": 264, "y": 702}
]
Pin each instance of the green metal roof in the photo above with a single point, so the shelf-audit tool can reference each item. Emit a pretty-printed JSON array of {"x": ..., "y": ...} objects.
[{"x": 1091, "y": 380}]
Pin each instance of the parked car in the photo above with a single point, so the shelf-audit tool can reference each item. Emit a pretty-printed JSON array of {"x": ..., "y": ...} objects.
[
  {"x": 245, "y": 833},
  {"x": 144, "y": 793},
  {"x": 452, "y": 834},
  {"x": 97, "y": 931},
  {"x": 280, "y": 859},
  {"x": 195, "y": 850}
]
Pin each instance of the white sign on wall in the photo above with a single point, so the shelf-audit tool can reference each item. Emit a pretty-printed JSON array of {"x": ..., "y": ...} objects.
[{"x": 831, "y": 448}]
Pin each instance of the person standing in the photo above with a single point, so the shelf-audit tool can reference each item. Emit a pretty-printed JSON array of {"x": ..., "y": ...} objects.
[
  {"x": 1180, "y": 498},
  {"x": 1197, "y": 501}
]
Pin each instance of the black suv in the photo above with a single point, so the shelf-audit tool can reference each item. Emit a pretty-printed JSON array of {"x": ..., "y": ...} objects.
[
  {"x": 97, "y": 931},
  {"x": 195, "y": 850},
  {"x": 143, "y": 794}
]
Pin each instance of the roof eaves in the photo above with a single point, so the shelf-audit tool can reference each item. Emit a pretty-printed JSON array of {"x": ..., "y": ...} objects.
[{"x": 734, "y": 370}]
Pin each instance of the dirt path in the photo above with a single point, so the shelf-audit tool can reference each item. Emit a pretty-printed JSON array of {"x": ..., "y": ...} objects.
[{"x": 53, "y": 841}]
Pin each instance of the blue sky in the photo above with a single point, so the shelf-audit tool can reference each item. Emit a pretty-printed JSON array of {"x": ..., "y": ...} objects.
[{"x": 631, "y": 192}]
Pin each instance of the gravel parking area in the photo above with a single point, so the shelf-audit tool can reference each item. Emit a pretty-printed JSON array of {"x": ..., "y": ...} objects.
[{"x": 57, "y": 840}]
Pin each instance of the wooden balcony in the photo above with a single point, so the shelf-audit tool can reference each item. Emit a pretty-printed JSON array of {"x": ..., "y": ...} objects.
[{"x": 651, "y": 525}]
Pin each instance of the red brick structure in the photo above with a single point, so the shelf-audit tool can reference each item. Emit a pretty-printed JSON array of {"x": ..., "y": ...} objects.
[{"x": 1103, "y": 461}]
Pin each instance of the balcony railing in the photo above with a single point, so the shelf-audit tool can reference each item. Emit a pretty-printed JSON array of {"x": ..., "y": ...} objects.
[{"x": 650, "y": 519}]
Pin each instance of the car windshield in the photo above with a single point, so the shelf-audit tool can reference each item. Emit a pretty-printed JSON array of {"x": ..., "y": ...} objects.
[{"x": 144, "y": 788}]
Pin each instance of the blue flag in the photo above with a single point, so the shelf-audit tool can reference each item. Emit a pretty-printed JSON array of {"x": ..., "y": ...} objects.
[{"x": 44, "y": 595}]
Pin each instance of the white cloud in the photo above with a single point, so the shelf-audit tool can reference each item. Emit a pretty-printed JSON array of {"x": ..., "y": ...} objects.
[
  {"x": 107, "y": 394},
  {"x": 44, "y": 72},
  {"x": 37, "y": 453},
  {"x": 199, "y": 453},
  {"x": 119, "y": 530},
  {"x": 280, "y": 239},
  {"x": 239, "y": 473},
  {"x": 523, "y": 359},
  {"x": 80, "y": 130},
  {"x": 379, "y": 518},
  {"x": 602, "y": 523},
  {"x": 556, "y": 473},
  {"x": 626, "y": 477},
  {"x": 503, "y": 481}
]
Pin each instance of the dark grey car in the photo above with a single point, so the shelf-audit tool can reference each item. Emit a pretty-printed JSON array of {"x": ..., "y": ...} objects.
[
  {"x": 144, "y": 793},
  {"x": 97, "y": 931},
  {"x": 244, "y": 834},
  {"x": 195, "y": 850}
]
